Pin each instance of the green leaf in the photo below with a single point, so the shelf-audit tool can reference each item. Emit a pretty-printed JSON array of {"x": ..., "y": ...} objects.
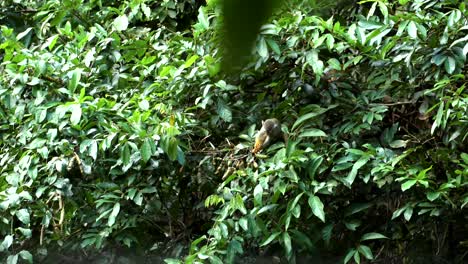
[
  {"x": 125, "y": 154},
  {"x": 274, "y": 46},
  {"x": 144, "y": 105},
  {"x": 270, "y": 239},
  {"x": 287, "y": 244},
  {"x": 50, "y": 42},
  {"x": 314, "y": 61},
  {"x": 37, "y": 143},
  {"x": 349, "y": 255},
  {"x": 383, "y": 9},
  {"x": 258, "y": 193},
  {"x": 146, "y": 150},
  {"x": 172, "y": 261},
  {"x": 330, "y": 41},
  {"x": 113, "y": 214},
  {"x": 408, "y": 184},
  {"x": 224, "y": 111},
  {"x": 408, "y": 213},
  {"x": 313, "y": 132},
  {"x": 352, "y": 224},
  {"x": 334, "y": 64},
  {"x": 172, "y": 148},
  {"x": 12, "y": 259},
  {"x": 308, "y": 116},
  {"x": 450, "y": 65},
  {"x": 464, "y": 157},
  {"x": 203, "y": 19},
  {"x": 313, "y": 166},
  {"x": 412, "y": 30},
  {"x": 432, "y": 196},
  {"x": 356, "y": 208},
  {"x": 357, "y": 165},
  {"x": 121, "y": 23},
  {"x": 74, "y": 80},
  {"x": 215, "y": 260},
  {"x": 398, "y": 143},
  {"x": 24, "y": 254},
  {"x": 357, "y": 258},
  {"x": 262, "y": 48},
  {"x": 24, "y": 33},
  {"x": 93, "y": 150},
  {"x": 327, "y": 233},
  {"x": 191, "y": 61},
  {"x": 317, "y": 207},
  {"x": 7, "y": 242},
  {"x": 23, "y": 216},
  {"x": 75, "y": 117},
  {"x": 366, "y": 252},
  {"x": 370, "y": 236}
]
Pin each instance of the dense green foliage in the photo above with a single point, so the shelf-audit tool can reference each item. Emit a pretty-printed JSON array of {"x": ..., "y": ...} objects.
[{"x": 120, "y": 129}]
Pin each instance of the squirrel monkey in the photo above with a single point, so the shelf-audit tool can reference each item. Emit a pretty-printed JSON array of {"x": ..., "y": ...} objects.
[{"x": 269, "y": 133}]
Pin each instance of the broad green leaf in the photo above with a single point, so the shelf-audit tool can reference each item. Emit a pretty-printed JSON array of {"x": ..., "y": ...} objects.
[
  {"x": 172, "y": 261},
  {"x": 356, "y": 208},
  {"x": 464, "y": 156},
  {"x": 144, "y": 105},
  {"x": 352, "y": 224},
  {"x": 313, "y": 132},
  {"x": 432, "y": 196},
  {"x": 22, "y": 34},
  {"x": 357, "y": 257},
  {"x": 23, "y": 216},
  {"x": 450, "y": 65},
  {"x": 313, "y": 166},
  {"x": 172, "y": 148},
  {"x": 244, "y": 224},
  {"x": 317, "y": 207},
  {"x": 203, "y": 19},
  {"x": 262, "y": 48},
  {"x": 412, "y": 30},
  {"x": 349, "y": 255},
  {"x": 113, "y": 214},
  {"x": 366, "y": 252},
  {"x": 327, "y": 233},
  {"x": 75, "y": 116},
  {"x": 7, "y": 242},
  {"x": 215, "y": 260},
  {"x": 121, "y": 23},
  {"x": 287, "y": 243},
  {"x": 191, "y": 61},
  {"x": 270, "y": 239},
  {"x": 370, "y": 236},
  {"x": 93, "y": 150},
  {"x": 357, "y": 165},
  {"x": 383, "y": 8},
  {"x": 50, "y": 42},
  {"x": 146, "y": 150},
  {"x": 334, "y": 63},
  {"x": 408, "y": 213},
  {"x": 398, "y": 143},
  {"x": 24, "y": 254},
  {"x": 37, "y": 143},
  {"x": 408, "y": 184},
  {"x": 224, "y": 111},
  {"x": 258, "y": 193},
  {"x": 12, "y": 259},
  {"x": 125, "y": 154},
  {"x": 274, "y": 46},
  {"x": 307, "y": 116},
  {"x": 74, "y": 80}
]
